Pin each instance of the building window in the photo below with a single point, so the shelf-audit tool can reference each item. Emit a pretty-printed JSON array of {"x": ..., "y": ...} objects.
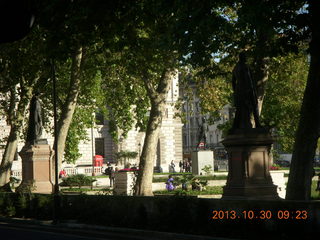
[
  {"x": 99, "y": 118},
  {"x": 185, "y": 139},
  {"x": 99, "y": 146}
]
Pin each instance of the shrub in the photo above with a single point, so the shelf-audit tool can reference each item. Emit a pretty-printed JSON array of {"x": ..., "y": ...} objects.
[
  {"x": 78, "y": 180},
  {"x": 275, "y": 167},
  {"x": 207, "y": 169}
]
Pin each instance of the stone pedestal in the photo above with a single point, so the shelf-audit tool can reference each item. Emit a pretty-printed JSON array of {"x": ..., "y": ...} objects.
[
  {"x": 249, "y": 162},
  {"x": 124, "y": 183},
  {"x": 37, "y": 167},
  {"x": 201, "y": 159}
]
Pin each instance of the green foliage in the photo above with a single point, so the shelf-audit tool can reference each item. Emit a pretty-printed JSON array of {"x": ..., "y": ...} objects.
[
  {"x": 13, "y": 181},
  {"x": 26, "y": 187},
  {"x": 284, "y": 95},
  {"x": 188, "y": 180},
  {"x": 207, "y": 169},
  {"x": 123, "y": 156},
  {"x": 22, "y": 202},
  {"x": 184, "y": 179},
  {"x": 105, "y": 191},
  {"x": 188, "y": 176},
  {"x": 216, "y": 190},
  {"x": 77, "y": 133},
  {"x": 275, "y": 167},
  {"x": 8, "y": 206},
  {"x": 78, "y": 180},
  {"x": 315, "y": 194}
]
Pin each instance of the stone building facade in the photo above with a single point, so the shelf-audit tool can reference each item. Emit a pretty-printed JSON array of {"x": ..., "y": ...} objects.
[
  {"x": 193, "y": 121},
  {"x": 170, "y": 140},
  {"x": 101, "y": 143}
]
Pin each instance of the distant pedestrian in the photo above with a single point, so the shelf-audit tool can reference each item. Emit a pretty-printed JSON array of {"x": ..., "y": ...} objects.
[
  {"x": 172, "y": 167},
  {"x": 181, "y": 166},
  {"x": 62, "y": 173},
  {"x": 188, "y": 166},
  {"x": 169, "y": 184},
  {"x": 111, "y": 173}
]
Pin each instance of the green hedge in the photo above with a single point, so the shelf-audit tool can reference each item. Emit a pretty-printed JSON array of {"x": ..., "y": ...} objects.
[
  {"x": 168, "y": 213},
  {"x": 38, "y": 206},
  {"x": 201, "y": 177},
  {"x": 78, "y": 180}
]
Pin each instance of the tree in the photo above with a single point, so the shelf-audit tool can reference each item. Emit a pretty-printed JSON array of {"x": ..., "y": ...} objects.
[
  {"x": 284, "y": 93},
  {"x": 24, "y": 66},
  {"x": 307, "y": 135},
  {"x": 213, "y": 89},
  {"x": 150, "y": 61},
  {"x": 151, "y": 45},
  {"x": 73, "y": 36},
  {"x": 264, "y": 28}
]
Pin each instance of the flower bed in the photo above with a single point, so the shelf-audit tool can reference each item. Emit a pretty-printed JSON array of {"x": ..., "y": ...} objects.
[{"x": 128, "y": 170}]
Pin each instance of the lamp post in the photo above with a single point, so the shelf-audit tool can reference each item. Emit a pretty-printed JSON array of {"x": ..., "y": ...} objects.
[
  {"x": 92, "y": 147},
  {"x": 55, "y": 146}
]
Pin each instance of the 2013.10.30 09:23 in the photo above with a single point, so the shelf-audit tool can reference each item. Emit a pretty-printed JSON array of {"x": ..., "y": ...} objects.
[{"x": 260, "y": 214}]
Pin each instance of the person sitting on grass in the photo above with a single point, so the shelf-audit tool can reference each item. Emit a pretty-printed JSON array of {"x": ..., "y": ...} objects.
[
  {"x": 169, "y": 184},
  {"x": 196, "y": 185}
]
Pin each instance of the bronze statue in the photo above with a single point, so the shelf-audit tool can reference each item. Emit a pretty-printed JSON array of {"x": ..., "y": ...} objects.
[
  {"x": 202, "y": 133},
  {"x": 245, "y": 96},
  {"x": 35, "y": 121}
]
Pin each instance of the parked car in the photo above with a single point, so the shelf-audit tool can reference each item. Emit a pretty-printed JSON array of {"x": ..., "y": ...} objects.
[{"x": 283, "y": 163}]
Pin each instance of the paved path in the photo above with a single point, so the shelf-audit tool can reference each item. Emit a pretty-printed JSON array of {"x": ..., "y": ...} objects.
[{"x": 18, "y": 229}]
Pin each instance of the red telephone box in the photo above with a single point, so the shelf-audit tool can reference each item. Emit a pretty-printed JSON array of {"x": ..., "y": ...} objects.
[{"x": 98, "y": 161}]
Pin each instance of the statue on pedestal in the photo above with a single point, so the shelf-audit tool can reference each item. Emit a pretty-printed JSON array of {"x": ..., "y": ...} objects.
[
  {"x": 36, "y": 155},
  {"x": 245, "y": 96},
  {"x": 248, "y": 144},
  {"x": 35, "y": 121}
]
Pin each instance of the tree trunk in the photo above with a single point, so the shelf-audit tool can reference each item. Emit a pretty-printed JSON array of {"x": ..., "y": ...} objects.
[
  {"x": 158, "y": 97},
  {"x": 262, "y": 76},
  {"x": 261, "y": 68},
  {"x": 300, "y": 178},
  {"x": 16, "y": 121},
  {"x": 8, "y": 157},
  {"x": 69, "y": 105}
]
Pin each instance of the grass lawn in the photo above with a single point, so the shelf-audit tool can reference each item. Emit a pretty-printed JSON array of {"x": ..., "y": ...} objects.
[
  {"x": 176, "y": 173},
  {"x": 209, "y": 177},
  {"x": 209, "y": 191},
  {"x": 314, "y": 194}
]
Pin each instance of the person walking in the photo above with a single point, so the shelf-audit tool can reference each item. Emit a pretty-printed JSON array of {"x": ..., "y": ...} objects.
[
  {"x": 181, "y": 166},
  {"x": 172, "y": 166},
  {"x": 111, "y": 173}
]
